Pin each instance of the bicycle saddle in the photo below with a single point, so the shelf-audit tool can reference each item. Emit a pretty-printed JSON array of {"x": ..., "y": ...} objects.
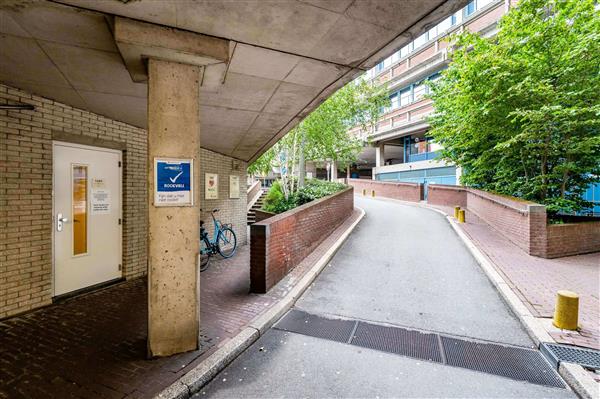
[{"x": 215, "y": 210}]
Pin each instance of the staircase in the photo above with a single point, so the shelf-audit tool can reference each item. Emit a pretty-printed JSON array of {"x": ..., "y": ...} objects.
[{"x": 257, "y": 205}]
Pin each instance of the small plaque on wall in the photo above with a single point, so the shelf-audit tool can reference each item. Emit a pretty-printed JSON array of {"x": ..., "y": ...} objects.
[
  {"x": 234, "y": 186},
  {"x": 211, "y": 186}
]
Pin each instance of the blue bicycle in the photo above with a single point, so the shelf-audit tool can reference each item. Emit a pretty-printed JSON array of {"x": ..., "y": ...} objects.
[{"x": 224, "y": 241}]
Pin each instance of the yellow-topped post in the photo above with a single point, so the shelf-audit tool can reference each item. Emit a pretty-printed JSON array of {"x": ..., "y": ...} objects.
[
  {"x": 456, "y": 210},
  {"x": 461, "y": 216},
  {"x": 566, "y": 313},
  {"x": 372, "y": 193}
]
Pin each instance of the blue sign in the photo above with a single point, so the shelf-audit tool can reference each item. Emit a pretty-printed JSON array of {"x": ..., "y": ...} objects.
[{"x": 173, "y": 182}]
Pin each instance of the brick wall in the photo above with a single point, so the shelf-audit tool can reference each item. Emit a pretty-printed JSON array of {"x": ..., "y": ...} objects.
[
  {"x": 26, "y": 192},
  {"x": 572, "y": 239},
  {"x": 262, "y": 215},
  {"x": 280, "y": 243},
  {"x": 400, "y": 191},
  {"x": 511, "y": 219},
  {"x": 438, "y": 194},
  {"x": 233, "y": 211},
  {"x": 522, "y": 222}
]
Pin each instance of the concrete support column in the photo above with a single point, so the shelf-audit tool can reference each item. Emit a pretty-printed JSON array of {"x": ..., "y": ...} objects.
[
  {"x": 173, "y": 232},
  {"x": 379, "y": 155}
]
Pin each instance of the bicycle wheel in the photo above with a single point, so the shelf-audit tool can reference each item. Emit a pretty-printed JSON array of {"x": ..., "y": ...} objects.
[
  {"x": 226, "y": 242},
  {"x": 203, "y": 256}
]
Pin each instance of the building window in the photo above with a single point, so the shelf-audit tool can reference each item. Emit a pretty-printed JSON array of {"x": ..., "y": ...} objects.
[
  {"x": 404, "y": 51},
  {"x": 420, "y": 91},
  {"x": 405, "y": 97},
  {"x": 394, "y": 99},
  {"x": 421, "y": 40},
  {"x": 469, "y": 8},
  {"x": 379, "y": 67},
  {"x": 445, "y": 25}
]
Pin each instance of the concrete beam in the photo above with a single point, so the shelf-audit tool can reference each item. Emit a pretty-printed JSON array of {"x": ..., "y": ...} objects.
[
  {"x": 137, "y": 41},
  {"x": 173, "y": 232}
]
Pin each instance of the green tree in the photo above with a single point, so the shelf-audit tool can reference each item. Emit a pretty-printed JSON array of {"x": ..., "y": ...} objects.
[
  {"x": 323, "y": 134},
  {"x": 520, "y": 112}
]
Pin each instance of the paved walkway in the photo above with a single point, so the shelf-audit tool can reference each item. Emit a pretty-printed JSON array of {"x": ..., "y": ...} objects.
[
  {"x": 94, "y": 345},
  {"x": 403, "y": 265},
  {"x": 536, "y": 280}
]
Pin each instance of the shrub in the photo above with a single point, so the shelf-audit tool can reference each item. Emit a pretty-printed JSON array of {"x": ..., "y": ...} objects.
[{"x": 313, "y": 189}]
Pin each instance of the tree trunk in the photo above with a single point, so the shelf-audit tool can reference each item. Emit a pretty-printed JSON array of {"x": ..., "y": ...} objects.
[{"x": 301, "y": 163}]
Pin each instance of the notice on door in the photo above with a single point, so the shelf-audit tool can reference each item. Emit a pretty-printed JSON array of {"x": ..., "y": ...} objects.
[
  {"x": 173, "y": 182},
  {"x": 100, "y": 200}
]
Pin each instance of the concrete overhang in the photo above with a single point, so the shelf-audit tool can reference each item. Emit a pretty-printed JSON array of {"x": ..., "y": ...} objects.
[
  {"x": 267, "y": 64},
  {"x": 137, "y": 41}
]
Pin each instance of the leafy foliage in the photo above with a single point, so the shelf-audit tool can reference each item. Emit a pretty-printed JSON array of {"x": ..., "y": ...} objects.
[
  {"x": 520, "y": 112},
  {"x": 323, "y": 135},
  {"x": 314, "y": 189},
  {"x": 262, "y": 166}
]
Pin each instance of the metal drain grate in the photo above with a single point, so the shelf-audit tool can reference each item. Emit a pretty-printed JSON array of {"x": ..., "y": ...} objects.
[
  {"x": 516, "y": 363},
  {"x": 398, "y": 340},
  {"x": 589, "y": 358},
  {"x": 316, "y": 326},
  {"x": 506, "y": 361}
]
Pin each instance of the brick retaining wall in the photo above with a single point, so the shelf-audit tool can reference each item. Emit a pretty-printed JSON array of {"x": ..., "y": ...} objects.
[
  {"x": 572, "y": 239},
  {"x": 522, "y": 222},
  {"x": 396, "y": 190},
  {"x": 262, "y": 215},
  {"x": 279, "y": 243},
  {"x": 438, "y": 194}
]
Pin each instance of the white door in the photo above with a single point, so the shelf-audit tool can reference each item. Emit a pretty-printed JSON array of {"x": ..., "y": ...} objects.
[{"x": 87, "y": 216}]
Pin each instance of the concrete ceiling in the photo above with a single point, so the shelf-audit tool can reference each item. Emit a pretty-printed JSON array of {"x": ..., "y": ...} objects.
[{"x": 287, "y": 56}]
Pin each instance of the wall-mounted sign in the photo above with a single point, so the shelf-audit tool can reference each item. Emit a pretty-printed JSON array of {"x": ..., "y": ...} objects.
[
  {"x": 173, "y": 182},
  {"x": 234, "y": 186},
  {"x": 211, "y": 186},
  {"x": 100, "y": 201}
]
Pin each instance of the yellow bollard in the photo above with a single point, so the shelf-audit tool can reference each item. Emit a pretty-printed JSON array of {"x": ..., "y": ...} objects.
[
  {"x": 364, "y": 192},
  {"x": 461, "y": 216},
  {"x": 373, "y": 193},
  {"x": 567, "y": 310},
  {"x": 456, "y": 209}
]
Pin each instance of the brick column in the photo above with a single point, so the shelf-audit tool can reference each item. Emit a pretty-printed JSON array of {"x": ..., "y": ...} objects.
[{"x": 537, "y": 230}]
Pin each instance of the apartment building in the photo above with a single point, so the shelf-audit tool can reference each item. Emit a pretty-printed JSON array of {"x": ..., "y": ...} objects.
[{"x": 401, "y": 148}]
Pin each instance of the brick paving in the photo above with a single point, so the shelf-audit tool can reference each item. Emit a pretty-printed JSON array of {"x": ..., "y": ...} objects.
[
  {"x": 536, "y": 280},
  {"x": 94, "y": 345}
]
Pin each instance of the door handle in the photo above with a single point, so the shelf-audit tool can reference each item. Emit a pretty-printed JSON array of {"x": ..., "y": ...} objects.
[{"x": 59, "y": 221}]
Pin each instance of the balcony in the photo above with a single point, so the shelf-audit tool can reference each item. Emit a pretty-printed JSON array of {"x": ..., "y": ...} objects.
[{"x": 424, "y": 156}]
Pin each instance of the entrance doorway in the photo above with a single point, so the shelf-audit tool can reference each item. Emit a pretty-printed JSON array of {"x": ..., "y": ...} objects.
[{"x": 87, "y": 242}]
